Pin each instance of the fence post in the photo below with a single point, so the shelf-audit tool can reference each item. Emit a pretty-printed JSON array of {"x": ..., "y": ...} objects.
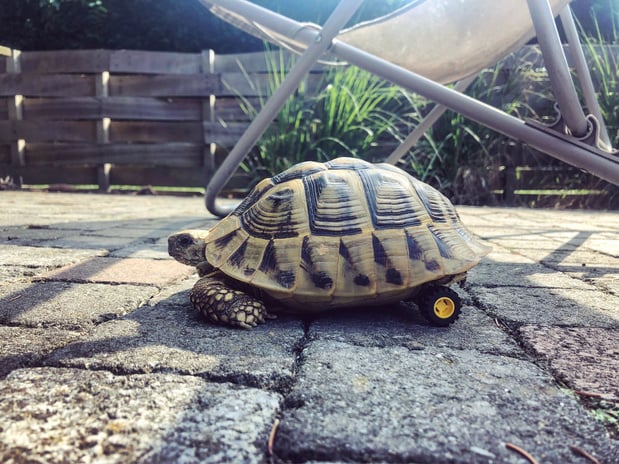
[
  {"x": 102, "y": 82},
  {"x": 207, "y": 66},
  {"x": 512, "y": 155},
  {"x": 16, "y": 113}
]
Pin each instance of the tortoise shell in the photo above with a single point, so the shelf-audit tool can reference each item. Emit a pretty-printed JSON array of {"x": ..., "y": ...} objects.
[{"x": 341, "y": 233}]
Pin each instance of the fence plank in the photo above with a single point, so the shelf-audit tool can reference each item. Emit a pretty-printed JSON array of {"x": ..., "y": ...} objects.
[
  {"x": 5, "y": 54},
  {"x": 147, "y": 131},
  {"x": 48, "y": 131},
  {"x": 161, "y": 154},
  {"x": 5, "y": 155},
  {"x": 157, "y": 175},
  {"x": 258, "y": 62},
  {"x": 224, "y": 135},
  {"x": 256, "y": 85},
  {"x": 34, "y": 175},
  {"x": 149, "y": 109},
  {"x": 229, "y": 109},
  {"x": 46, "y": 85},
  {"x": 166, "y": 86},
  {"x": 147, "y": 62},
  {"x": 4, "y": 108},
  {"x": 66, "y": 61}
]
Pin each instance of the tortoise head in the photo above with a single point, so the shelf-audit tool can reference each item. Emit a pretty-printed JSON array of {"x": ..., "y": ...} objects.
[{"x": 187, "y": 246}]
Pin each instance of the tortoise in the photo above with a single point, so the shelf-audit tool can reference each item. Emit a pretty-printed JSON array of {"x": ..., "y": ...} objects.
[{"x": 320, "y": 236}]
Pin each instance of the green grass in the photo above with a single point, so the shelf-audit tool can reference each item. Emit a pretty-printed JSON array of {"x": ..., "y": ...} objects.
[{"x": 353, "y": 114}]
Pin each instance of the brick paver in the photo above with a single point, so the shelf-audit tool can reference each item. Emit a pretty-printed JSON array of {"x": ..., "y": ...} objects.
[{"x": 102, "y": 358}]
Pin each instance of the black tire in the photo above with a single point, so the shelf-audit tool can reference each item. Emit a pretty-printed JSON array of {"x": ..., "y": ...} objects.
[{"x": 440, "y": 305}]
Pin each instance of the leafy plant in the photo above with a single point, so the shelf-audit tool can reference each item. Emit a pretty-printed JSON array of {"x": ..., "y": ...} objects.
[
  {"x": 352, "y": 114},
  {"x": 604, "y": 63}
]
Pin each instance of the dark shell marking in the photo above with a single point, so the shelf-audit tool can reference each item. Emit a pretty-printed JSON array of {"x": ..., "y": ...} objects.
[{"x": 340, "y": 233}]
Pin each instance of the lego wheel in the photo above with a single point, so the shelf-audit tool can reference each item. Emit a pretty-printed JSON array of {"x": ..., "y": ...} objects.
[{"x": 439, "y": 305}]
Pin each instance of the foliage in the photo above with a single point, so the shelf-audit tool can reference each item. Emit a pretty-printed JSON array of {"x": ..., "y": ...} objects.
[
  {"x": 353, "y": 114},
  {"x": 159, "y": 25},
  {"x": 604, "y": 64},
  {"x": 179, "y": 25}
]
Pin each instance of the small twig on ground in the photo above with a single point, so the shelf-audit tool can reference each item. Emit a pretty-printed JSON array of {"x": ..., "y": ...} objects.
[
  {"x": 272, "y": 437},
  {"x": 588, "y": 394},
  {"x": 517, "y": 449},
  {"x": 600, "y": 396},
  {"x": 16, "y": 297},
  {"x": 500, "y": 324},
  {"x": 581, "y": 452}
]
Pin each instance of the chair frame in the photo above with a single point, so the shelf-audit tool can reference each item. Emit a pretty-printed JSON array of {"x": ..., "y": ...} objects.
[{"x": 575, "y": 138}]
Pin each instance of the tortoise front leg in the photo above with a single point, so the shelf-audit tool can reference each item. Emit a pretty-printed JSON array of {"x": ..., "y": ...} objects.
[{"x": 224, "y": 305}]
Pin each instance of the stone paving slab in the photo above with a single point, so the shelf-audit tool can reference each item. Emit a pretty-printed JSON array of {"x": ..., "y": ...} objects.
[
  {"x": 354, "y": 385},
  {"x": 68, "y": 305},
  {"x": 25, "y": 346},
  {"x": 368, "y": 404},
  {"x": 402, "y": 326},
  {"x": 73, "y": 415},
  {"x": 136, "y": 271},
  {"x": 549, "y": 306},
  {"x": 30, "y": 256},
  {"x": 155, "y": 249},
  {"x": 504, "y": 269},
  {"x": 585, "y": 358},
  {"x": 170, "y": 337}
]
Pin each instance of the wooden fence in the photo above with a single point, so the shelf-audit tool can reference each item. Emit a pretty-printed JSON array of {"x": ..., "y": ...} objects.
[
  {"x": 121, "y": 117},
  {"x": 154, "y": 118}
]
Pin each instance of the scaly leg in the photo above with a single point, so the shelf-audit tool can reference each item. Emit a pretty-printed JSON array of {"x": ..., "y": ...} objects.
[{"x": 224, "y": 305}]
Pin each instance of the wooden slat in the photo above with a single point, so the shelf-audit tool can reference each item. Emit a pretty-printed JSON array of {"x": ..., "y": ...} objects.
[
  {"x": 146, "y": 62},
  {"x": 256, "y": 85},
  {"x": 51, "y": 174},
  {"x": 157, "y": 175},
  {"x": 122, "y": 131},
  {"x": 229, "y": 109},
  {"x": 119, "y": 61},
  {"x": 223, "y": 135},
  {"x": 249, "y": 62},
  {"x": 170, "y": 154},
  {"x": 172, "y": 177},
  {"x": 46, "y": 85},
  {"x": 4, "y": 108},
  {"x": 5, "y": 54},
  {"x": 166, "y": 85},
  {"x": 256, "y": 62},
  {"x": 48, "y": 131},
  {"x": 148, "y": 131},
  {"x": 66, "y": 61},
  {"x": 149, "y": 109},
  {"x": 5, "y": 155}
]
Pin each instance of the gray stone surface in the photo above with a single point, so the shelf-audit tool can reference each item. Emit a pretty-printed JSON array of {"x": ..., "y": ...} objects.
[
  {"x": 114, "y": 372},
  {"x": 550, "y": 306},
  {"x": 368, "y": 404},
  {"x": 403, "y": 326},
  {"x": 171, "y": 337},
  {"x": 585, "y": 358},
  {"x": 25, "y": 346},
  {"x": 68, "y": 305},
  {"x": 45, "y": 257},
  {"x": 74, "y": 415}
]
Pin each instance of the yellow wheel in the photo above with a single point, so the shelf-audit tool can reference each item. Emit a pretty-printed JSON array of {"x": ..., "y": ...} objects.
[
  {"x": 439, "y": 305},
  {"x": 444, "y": 307}
]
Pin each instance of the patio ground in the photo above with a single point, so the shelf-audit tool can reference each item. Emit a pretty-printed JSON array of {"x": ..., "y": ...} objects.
[{"x": 103, "y": 360}]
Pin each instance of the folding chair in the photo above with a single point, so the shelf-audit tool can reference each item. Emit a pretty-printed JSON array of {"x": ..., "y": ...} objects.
[{"x": 423, "y": 46}]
